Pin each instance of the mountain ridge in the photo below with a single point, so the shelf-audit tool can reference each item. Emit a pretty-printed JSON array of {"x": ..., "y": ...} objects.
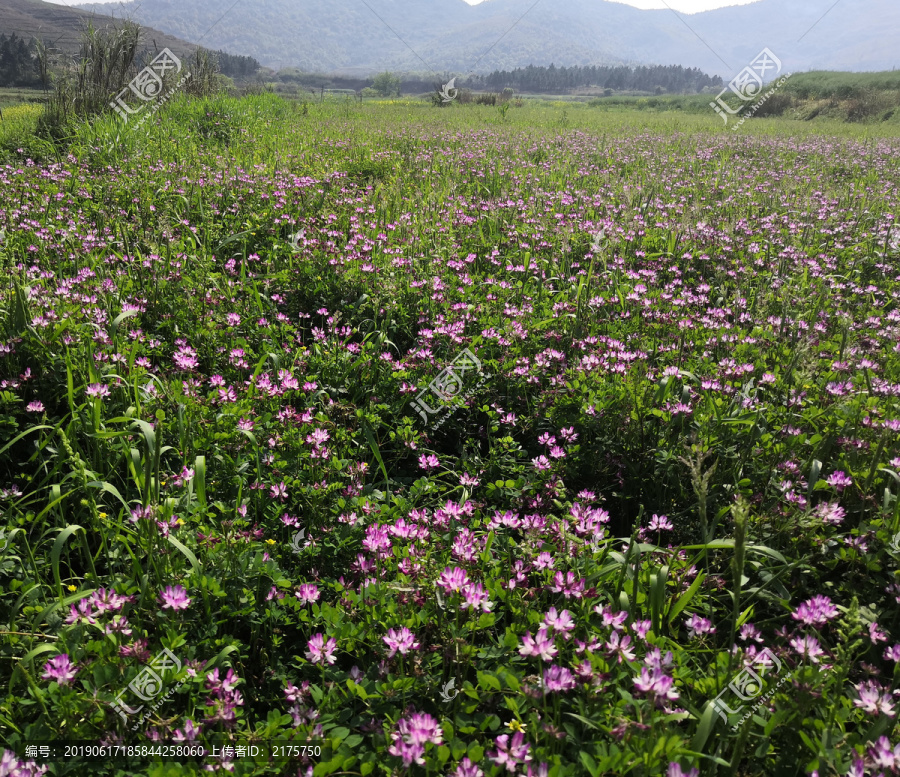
[
  {"x": 450, "y": 36},
  {"x": 60, "y": 26}
]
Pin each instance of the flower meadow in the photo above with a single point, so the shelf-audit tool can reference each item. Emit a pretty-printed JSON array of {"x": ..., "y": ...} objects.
[{"x": 449, "y": 443}]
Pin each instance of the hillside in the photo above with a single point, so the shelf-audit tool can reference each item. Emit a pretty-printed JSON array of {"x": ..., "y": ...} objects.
[
  {"x": 450, "y": 35},
  {"x": 60, "y": 27}
]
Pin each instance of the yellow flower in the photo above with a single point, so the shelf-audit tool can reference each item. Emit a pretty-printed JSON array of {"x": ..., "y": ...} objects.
[
  {"x": 180, "y": 521},
  {"x": 514, "y": 725},
  {"x": 73, "y": 588},
  {"x": 103, "y": 515},
  {"x": 270, "y": 542}
]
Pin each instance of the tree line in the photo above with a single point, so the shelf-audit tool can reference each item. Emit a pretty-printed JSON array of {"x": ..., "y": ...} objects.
[
  {"x": 19, "y": 63},
  {"x": 644, "y": 78},
  {"x": 235, "y": 65}
]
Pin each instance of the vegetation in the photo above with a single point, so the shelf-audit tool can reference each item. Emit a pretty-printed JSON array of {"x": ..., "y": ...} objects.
[
  {"x": 557, "y": 80},
  {"x": 483, "y": 440},
  {"x": 236, "y": 66},
  {"x": 105, "y": 77},
  {"x": 387, "y": 84},
  {"x": 18, "y": 62}
]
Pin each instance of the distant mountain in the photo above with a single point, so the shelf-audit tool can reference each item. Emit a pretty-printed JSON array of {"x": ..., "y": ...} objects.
[
  {"x": 60, "y": 27},
  {"x": 452, "y": 36}
]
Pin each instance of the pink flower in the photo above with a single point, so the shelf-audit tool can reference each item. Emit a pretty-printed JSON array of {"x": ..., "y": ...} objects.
[
  {"x": 659, "y": 523},
  {"x": 320, "y": 651},
  {"x": 558, "y": 678},
  {"x": 476, "y": 598},
  {"x": 656, "y": 683},
  {"x": 830, "y": 513},
  {"x": 97, "y": 390},
  {"x": 400, "y": 641},
  {"x": 675, "y": 770},
  {"x": 839, "y": 481},
  {"x": 876, "y": 634},
  {"x": 35, "y": 407},
  {"x": 620, "y": 645},
  {"x": 188, "y": 733},
  {"x": 453, "y": 580},
  {"x": 541, "y": 463},
  {"x": 873, "y": 699},
  {"x": 698, "y": 626},
  {"x": 429, "y": 462},
  {"x": 749, "y": 631},
  {"x": 540, "y": 645},
  {"x": 308, "y": 593},
  {"x": 108, "y": 600},
  {"x": 174, "y": 598},
  {"x": 562, "y": 622},
  {"x": 413, "y": 732},
  {"x": 60, "y": 669},
  {"x": 12, "y": 766},
  {"x": 567, "y": 585},
  {"x": 641, "y": 628},
  {"x": 883, "y": 757},
  {"x": 816, "y": 611},
  {"x": 83, "y": 610},
  {"x": 511, "y": 754},
  {"x": 466, "y": 768},
  {"x": 808, "y": 647}
]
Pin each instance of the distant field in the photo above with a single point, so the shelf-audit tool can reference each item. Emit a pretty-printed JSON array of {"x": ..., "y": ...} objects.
[{"x": 15, "y": 96}]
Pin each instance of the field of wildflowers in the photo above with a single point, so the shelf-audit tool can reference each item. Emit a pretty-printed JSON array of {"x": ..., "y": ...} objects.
[{"x": 419, "y": 442}]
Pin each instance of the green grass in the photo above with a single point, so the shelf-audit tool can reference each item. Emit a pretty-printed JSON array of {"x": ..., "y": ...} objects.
[
  {"x": 10, "y": 96},
  {"x": 819, "y": 84}
]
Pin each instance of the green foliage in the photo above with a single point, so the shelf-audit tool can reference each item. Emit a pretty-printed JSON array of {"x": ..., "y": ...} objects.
[
  {"x": 209, "y": 341},
  {"x": 386, "y": 84}
]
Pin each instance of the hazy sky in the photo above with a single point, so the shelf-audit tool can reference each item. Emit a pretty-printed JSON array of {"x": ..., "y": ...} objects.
[{"x": 686, "y": 6}]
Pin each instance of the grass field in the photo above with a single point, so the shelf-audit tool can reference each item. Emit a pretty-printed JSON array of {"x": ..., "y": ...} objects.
[{"x": 540, "y": 441}]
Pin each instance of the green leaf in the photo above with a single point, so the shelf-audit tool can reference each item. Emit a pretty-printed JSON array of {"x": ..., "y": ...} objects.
[
  {"x": 339, "y": 733},
  {"x": 488, "y": 681},
  {"x": 110, "y": 489},
  {"x": 200, "y": 481},
  {"x": 27, "y": 658},
  {"x": 218, "y": 659},
  {"x": 14, "y": 440},
  {"x": 57, "y": 551},
  {"x": 686, "y": 597},
  {"x": 195, "y": 565},
  {"x": 589, "y": 763},
  {"x": 585, "y": 721},
  {"x": 114, "y": 326},
  {"x": 704, "y": 728}
]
